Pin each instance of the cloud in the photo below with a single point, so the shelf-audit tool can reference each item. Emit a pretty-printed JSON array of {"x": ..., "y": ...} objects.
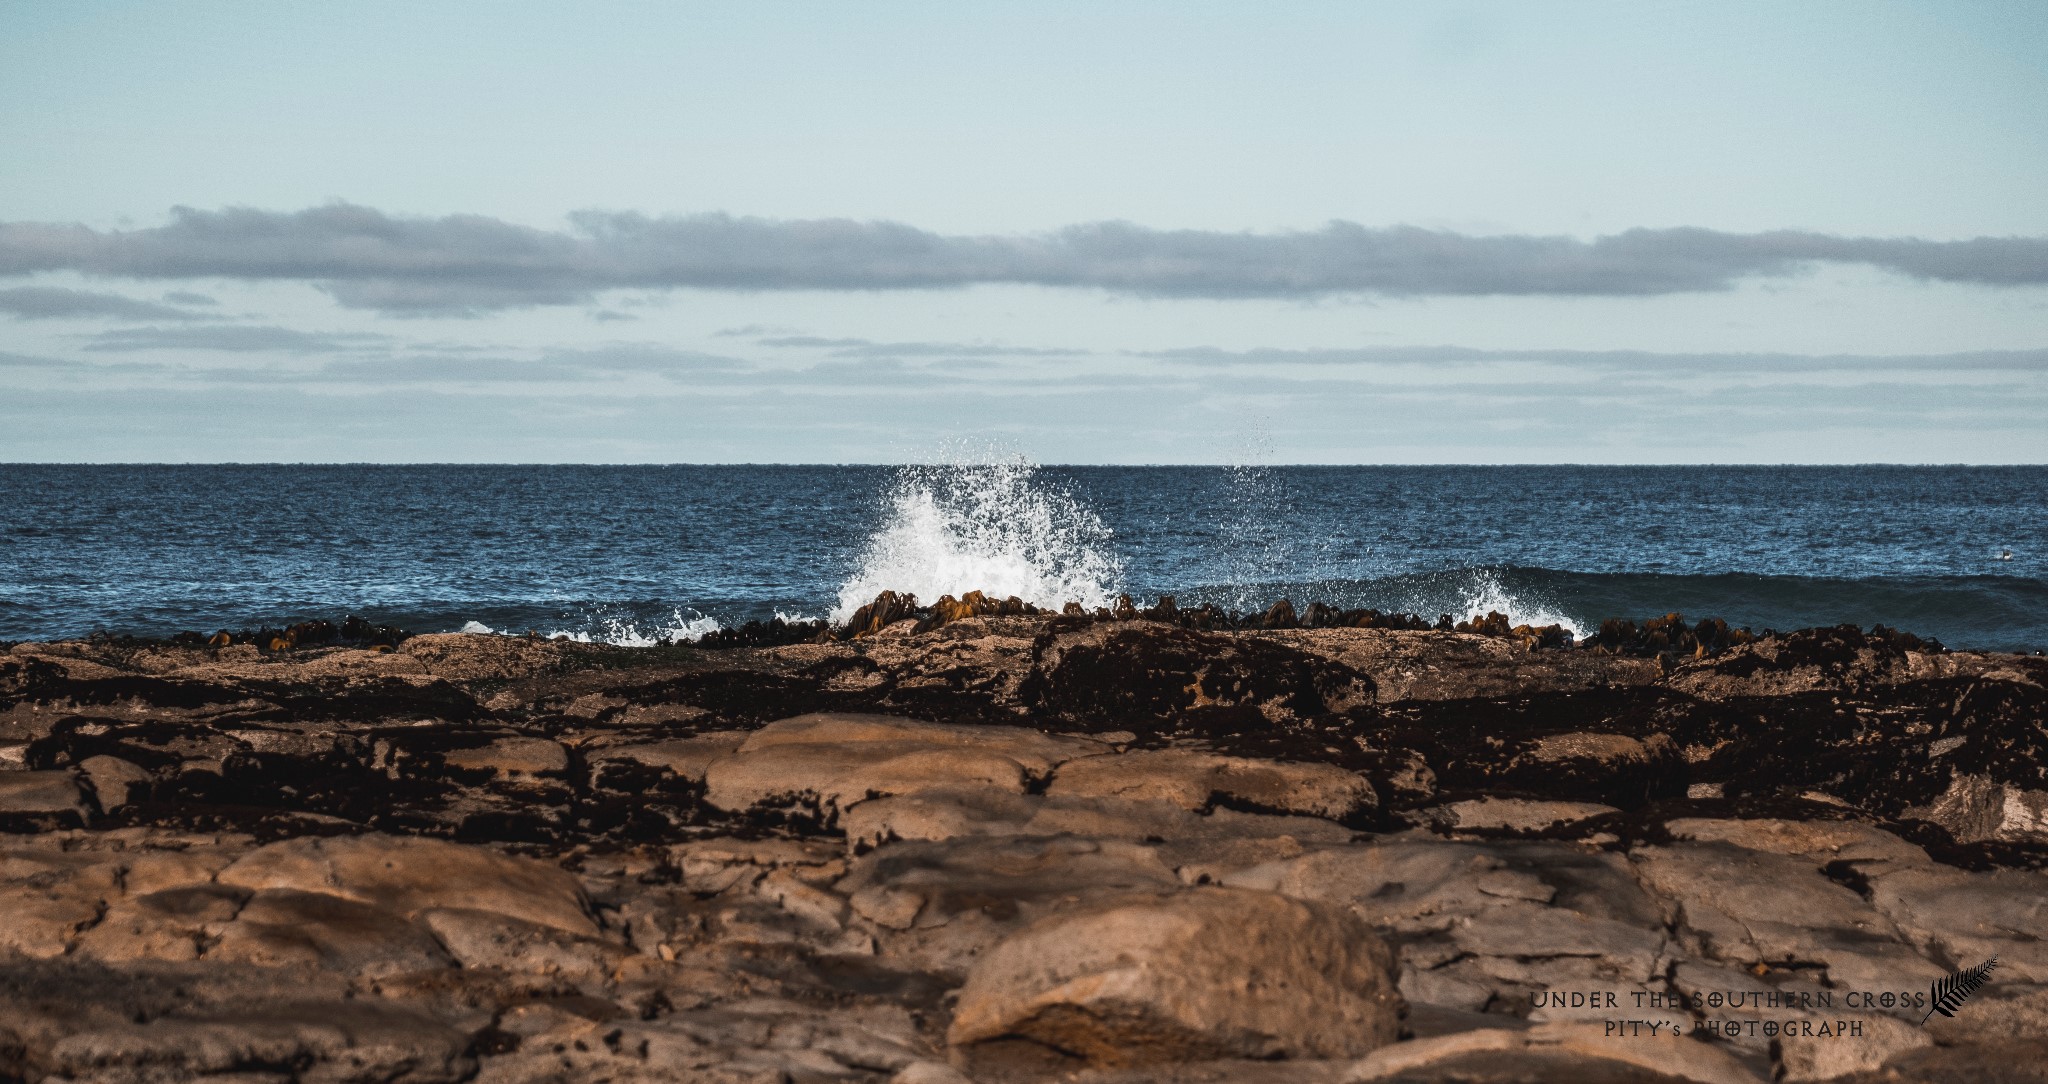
[
  {"x": 1662, "y": 364},
  {"x": 187, "y": 297},
  {"x": 465, "y": 264},
  {"x": 58, "y": 303},
  {"x": 29, "y": 361},
  {"x": 867, "y": 348},
  {"x": 232, "y": 339}
]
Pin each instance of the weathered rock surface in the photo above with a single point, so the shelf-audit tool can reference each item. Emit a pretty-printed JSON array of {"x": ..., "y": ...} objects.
[
  {"x": 1206, "y": 973},
  {"x": 995, "y": 846}
]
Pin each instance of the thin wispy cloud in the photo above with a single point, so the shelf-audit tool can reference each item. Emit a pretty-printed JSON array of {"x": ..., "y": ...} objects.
[
  {"x": 867, "y": 348},
  {"x": 459, "y": 264},
  {"x": 60, "y": 303},
  {"x": 1644, "y": 360},
  {"x": 233, "y": 339}
]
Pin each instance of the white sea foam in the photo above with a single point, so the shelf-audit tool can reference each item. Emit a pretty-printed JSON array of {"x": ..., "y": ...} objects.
[
  {"x": 625, "y": 632},
  {"x": 1476, "y": 592},
  {"x": 994, "y": 527}
]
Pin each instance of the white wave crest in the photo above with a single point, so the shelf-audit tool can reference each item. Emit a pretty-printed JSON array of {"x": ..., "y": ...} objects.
[
  {"x": 1485, "y": 593},
  {"x": 990, "y": 527},
  {"x": 625, "y": 632}
]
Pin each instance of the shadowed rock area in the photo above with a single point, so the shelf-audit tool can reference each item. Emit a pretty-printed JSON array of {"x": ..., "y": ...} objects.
[{"x": 976, "y": 842}]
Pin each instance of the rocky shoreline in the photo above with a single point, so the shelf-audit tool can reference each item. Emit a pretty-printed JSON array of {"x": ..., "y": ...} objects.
[{"x": 979, "y": 842}]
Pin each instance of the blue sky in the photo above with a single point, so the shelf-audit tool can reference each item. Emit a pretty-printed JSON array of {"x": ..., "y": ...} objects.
[{"x": 829, "y": 233}]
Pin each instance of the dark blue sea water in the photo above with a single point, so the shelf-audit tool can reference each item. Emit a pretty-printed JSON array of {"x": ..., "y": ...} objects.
[{"x": 631, "y": 554}]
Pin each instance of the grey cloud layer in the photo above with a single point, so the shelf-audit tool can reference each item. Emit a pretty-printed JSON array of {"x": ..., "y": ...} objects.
[
  {"x": 467, "y": 263},
  {"x": 1649, "y": 361},
  {"x": 58, "y": 303}
]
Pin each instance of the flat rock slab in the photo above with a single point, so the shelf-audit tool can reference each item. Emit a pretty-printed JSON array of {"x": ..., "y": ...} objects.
[
  {"x": 835, "y": 760},
  {"x": 952, "y": 813},
  {"x": 1563, "y": 1053},
  {"x": 1196, "y": 780},
  {"x": 339, "y": 1041},
  {"x": 1205, "y": 973},
  {"x": 41, "y": 792},
  {"x": 408, "y": 875}
]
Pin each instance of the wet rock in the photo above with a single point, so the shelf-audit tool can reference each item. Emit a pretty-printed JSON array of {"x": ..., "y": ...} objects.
[{"x": 1205, "y": 973}]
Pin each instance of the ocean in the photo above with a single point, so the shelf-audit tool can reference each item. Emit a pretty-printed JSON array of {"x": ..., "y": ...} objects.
[{"x": 639, "y": 554}]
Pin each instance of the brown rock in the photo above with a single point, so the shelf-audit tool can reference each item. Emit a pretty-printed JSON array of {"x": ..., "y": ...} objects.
[
  {"x": 286, "y": 928},
  {"x": 1205, "y": 973},
  {"x": 112, "y": 780},
  {"x": 835, "y": 760},
  {"x": 1195, "y": 780},
  {"x": 41, "y": 792},
  {"x": 1559, "y": 1052},
  {"x": 412, "y": 875}
]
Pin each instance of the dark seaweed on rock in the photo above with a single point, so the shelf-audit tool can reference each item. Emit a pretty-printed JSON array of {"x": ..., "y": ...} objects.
[{"x": 351, "y": 631}]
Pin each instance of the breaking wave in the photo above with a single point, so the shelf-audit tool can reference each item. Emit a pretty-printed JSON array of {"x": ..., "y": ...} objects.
[
  {"x": 681, "y": 625},
  {"x": 998, "y": 528}
]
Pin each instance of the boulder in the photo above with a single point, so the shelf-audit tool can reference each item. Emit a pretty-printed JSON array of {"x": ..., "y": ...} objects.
[
  {"x": 1204, "y": 973},
  {"x": 112, "y": 780}
]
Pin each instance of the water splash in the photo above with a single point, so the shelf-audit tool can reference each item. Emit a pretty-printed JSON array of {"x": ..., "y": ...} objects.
[
  {"x": 681, "y": 625},
  {"x": 995, "y": 527},
  {"x": 1475, "y": 592}
]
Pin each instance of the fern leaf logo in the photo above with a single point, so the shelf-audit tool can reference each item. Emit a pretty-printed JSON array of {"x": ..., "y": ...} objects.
[{"x": 1949, "y": 993}]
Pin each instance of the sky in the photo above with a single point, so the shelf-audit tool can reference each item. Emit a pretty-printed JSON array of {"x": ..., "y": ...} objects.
[{"x": 1133, "y": 233}]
